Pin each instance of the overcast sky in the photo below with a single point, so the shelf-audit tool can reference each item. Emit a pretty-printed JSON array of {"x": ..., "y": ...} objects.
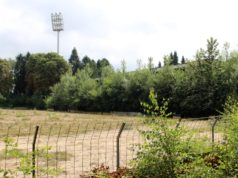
[{"x": 117, "y": 29}]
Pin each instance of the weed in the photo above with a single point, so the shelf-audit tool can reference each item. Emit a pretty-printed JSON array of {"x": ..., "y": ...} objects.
[{"x": 11, "y": 151}]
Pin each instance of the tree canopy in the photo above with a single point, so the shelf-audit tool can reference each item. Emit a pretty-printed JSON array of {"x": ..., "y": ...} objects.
[{"x": 6, "y": 77}]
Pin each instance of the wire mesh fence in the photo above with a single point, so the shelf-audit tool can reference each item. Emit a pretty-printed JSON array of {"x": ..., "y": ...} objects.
[
  {"x": 73, "y": 149},
  {"x": 69, "y": 150},
  {"x": 211, "y": 128}
]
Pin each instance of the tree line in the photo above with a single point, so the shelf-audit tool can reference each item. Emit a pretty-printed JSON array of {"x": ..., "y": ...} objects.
[
  {"x": 198, "y": 88},
  {"x": 27, "y": 80}
]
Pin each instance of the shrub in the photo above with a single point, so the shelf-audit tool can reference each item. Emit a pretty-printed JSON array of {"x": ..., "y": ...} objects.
[
  {"x": 229, "y": 151},
  {"x": 158, "y": 156},
  {"x": 170, "y": 151}
]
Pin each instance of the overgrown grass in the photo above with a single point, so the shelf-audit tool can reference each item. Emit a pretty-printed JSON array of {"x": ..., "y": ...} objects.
[
  {"x": 13, "y": 120},
  {"x": 21, "y": 122}
]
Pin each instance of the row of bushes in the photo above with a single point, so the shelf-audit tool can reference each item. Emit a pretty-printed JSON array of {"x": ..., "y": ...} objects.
[{"x": 197, "y": 89}]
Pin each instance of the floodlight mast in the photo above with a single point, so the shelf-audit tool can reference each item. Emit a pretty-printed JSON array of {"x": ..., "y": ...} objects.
[{"x": 57, "y": 25}]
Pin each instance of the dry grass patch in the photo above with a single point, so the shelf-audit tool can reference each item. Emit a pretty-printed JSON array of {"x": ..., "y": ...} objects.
[{"x": 21, "y": 122}]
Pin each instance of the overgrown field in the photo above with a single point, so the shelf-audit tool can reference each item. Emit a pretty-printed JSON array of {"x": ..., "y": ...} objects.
[
  {"x": 74, "y": 143},
  {"x": 23, "y": 118}
]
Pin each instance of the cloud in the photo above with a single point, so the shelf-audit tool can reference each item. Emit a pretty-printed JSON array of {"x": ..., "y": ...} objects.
[{"x": 117, "y": 30}]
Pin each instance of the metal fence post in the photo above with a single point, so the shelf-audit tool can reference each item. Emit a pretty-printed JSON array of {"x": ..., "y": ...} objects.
[
  {"x": 118, "y": 144},
  {"x": 178, "y": 123},
  {"x": 33, "y": 152}
]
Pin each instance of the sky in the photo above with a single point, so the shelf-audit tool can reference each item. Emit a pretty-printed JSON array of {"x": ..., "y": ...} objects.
[{"x": 117, "y": 29}]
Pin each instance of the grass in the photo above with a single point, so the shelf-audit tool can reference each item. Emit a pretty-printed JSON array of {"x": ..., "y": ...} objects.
[
  {"x": 54, "y": 157},
  {"x": 21, "y": 122},
  {"x": 16, "y": 115}
]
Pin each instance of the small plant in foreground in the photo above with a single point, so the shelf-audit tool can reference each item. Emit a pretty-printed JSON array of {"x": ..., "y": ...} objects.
[
  {"x": 25, "y": 159},
  {"x": 229, "y": 151}
]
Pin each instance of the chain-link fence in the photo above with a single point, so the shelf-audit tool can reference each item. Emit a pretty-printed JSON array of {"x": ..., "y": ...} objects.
[{"x": 70, "y": 150}]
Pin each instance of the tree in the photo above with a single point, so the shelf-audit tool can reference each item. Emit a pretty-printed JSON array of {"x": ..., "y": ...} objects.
[
  {"x": 6, "y": 77},
  {"x": 62, "y": 95},
  {"x": 159, "y": 65},
  {"x": 20, "y": 74},
  {"x": 123, "y": 66},
  {"x": 114, "y": 92},
  {"x": 204, "y": 84},
  {"x": 167, "y": 60},
  {"x": 87, "y": 90},
  {"x": 86, "y": 61},
  {"x": 150, "y": 63},
  {"x": 183, "y": 60},
  {"x": 140, "y": 82},
  {"x": 43, "y": 71},
  {"x": 139, "y": 64},
  {"x": 211, "y": 53},
  {"x": 175, "y": 58},
  {"x": 77, "y": 92},
  {"x": 102, "y": 63},
  {"x": 74, "y": 61},
  {"x": 225, "y": 52},
  {"x": 171, "y": 58},
  {"x": 164, "y": 82}
]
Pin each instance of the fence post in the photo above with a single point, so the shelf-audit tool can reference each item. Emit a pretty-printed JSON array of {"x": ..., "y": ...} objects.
[
  {"x": 118, "y": 144},
  {"x": 33, "y": 152},
  {"x": 178, "y": 123}
]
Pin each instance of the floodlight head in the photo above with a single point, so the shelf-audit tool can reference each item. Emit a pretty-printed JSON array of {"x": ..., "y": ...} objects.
[{"x": 57, "y": 22}]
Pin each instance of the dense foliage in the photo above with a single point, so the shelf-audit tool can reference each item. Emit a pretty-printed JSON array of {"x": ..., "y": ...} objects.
[
  {"x": 33, "y": 75},
  {"x": 169, "y": 151},
  {"x": 197, "y": 87},
  {"x": 172, "y": 151},
  {"x": 6, "y": 79}
]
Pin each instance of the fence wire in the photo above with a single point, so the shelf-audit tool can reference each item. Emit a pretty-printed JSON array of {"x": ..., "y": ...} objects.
[
  {"x": 74, "y": 149},
  {"x": 68, "y": 150}
]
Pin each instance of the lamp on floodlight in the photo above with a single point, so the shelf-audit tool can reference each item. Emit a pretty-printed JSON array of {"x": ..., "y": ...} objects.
[{"x": 57, "y": 25}]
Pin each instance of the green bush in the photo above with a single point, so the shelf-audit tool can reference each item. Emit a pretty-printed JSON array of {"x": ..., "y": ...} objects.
[
  {"x": 157, "y": 157},
  {"x": 171, "y": 151},
  {"x": 229, "y": 151}
]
